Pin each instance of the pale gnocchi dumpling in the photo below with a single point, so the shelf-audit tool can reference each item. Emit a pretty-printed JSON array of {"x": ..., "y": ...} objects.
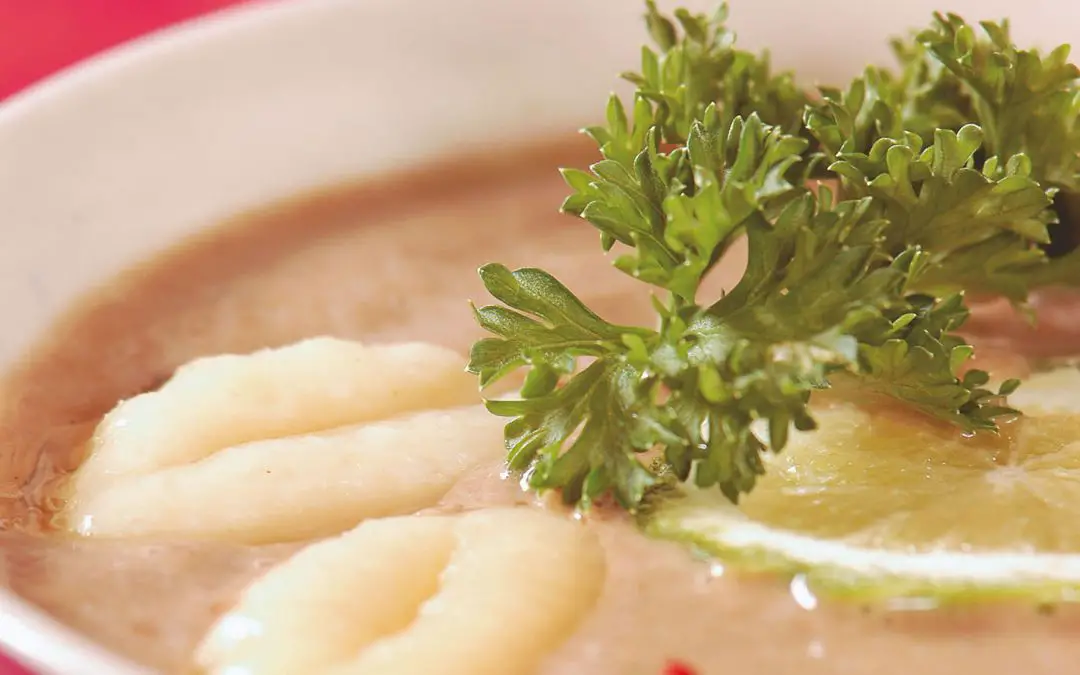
[
  {"x": 284, "y": 444},
  {"x": 489, "y": 592}
]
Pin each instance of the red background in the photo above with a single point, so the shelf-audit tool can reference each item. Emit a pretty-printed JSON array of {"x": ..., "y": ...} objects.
[{"x": 39, "y": 37}]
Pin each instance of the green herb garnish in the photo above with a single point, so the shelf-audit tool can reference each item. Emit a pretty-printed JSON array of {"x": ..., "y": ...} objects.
[{"x": 952, "y": 172}]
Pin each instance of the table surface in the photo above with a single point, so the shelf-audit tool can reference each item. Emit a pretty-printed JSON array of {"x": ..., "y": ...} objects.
[{"x": 40, "y": 37}]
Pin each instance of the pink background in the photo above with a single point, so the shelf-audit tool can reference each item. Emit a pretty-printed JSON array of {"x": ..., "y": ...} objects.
[{"x": 39, "y": 37}]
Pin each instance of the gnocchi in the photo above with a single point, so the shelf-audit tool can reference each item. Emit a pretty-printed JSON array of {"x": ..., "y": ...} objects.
[
  {"x": 284, "y": 444},
  {"x": 488, "y": 592}
]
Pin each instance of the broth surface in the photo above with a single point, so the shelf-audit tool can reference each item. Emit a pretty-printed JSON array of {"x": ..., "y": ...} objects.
[{"x": 396, "y": 261}]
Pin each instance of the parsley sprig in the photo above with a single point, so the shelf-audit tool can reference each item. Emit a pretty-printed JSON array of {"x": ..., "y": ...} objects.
[{"x": 943, "y": 187}]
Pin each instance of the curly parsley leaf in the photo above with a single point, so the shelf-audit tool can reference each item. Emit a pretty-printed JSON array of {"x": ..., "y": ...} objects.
[
  {"x": 562, "y": 430},
  {"x": 982, "y": 226},
  {"x": 698, "y": 65},
  {"x": 1026, "y": 102},
  {"x": 914, "y": 357},
  {"x": 867, "y": 288},
  {"x": 648, "y": 388}
]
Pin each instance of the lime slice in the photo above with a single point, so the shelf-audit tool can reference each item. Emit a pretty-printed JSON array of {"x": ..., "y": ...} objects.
[{"x": 876, "y": 505}]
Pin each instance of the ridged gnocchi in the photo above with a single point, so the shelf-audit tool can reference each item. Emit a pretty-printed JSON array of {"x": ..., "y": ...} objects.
[
  {"x": 284, "y": 444},
  {"x": 488, "y": 592}
]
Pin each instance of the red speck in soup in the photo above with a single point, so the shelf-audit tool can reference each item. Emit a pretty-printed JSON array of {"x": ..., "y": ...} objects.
[{"x": 678, "y": 668}]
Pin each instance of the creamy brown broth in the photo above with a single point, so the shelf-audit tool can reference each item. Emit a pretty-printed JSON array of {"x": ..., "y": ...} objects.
[{"x": 391, "y": 261}]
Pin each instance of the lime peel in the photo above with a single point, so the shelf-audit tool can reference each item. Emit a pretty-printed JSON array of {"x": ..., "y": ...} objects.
[{"x": 713, "y": 525}]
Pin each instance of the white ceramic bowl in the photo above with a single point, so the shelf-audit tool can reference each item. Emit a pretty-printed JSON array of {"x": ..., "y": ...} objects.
[{"x": 130, "y": 151}]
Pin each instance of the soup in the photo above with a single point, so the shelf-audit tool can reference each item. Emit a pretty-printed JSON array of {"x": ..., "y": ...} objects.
[{"x": 367, "y": 262}]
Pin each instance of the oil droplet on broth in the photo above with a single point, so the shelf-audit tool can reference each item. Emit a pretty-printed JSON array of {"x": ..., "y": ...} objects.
[
  {"x": 526, "y": 478},
  {"x": 801, "y": 593}
]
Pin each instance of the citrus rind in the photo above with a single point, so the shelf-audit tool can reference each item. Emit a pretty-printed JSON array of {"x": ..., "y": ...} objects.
[{"x": 713, "y": 526}]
